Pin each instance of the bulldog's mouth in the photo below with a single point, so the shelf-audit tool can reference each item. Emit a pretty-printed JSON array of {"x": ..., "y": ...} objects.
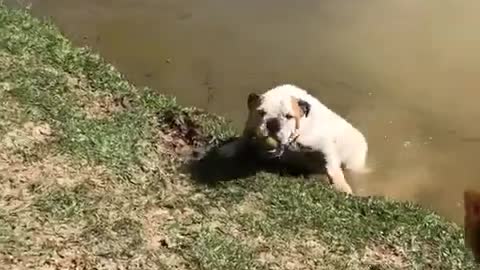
[{"x": 270, "y": 147}]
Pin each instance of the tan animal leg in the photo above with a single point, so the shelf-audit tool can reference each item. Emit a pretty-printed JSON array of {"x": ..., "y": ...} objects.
[
  {"x": 334, "y": 169},
  {"x": 336, "y": 176}
]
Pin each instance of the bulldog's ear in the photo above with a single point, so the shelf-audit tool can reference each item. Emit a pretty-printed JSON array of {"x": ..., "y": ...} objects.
[
  {"x": 252, "y": 100},
  {"x": 304, "y": 106}
]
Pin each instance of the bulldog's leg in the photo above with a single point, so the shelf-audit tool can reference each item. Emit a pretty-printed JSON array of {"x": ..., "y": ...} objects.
[{"x": 335, "y": 172}]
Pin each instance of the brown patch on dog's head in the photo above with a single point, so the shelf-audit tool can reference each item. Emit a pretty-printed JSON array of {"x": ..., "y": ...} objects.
[
  {"x": 472, "y": 222},
  {"x": 300, "y": 108}
]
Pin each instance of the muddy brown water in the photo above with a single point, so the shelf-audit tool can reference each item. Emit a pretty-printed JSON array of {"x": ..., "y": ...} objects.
[{"x": 405, "y": 72}]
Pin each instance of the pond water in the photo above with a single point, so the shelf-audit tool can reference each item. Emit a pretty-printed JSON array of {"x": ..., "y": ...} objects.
[{"x": 405, "y": 72}]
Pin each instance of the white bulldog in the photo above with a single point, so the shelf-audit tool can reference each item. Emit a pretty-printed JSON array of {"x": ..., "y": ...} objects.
[{"x": 292, "y": 117}]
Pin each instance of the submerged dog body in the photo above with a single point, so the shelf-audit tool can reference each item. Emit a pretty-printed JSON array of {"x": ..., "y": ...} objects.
[{"x": 293, "y": 117}]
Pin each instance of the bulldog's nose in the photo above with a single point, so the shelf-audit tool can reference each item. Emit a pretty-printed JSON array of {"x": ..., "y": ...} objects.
[{"x": 273, "y": 125}]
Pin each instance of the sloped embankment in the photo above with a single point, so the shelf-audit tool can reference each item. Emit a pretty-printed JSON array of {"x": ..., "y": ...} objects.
[{"x": 90, "y": 178}]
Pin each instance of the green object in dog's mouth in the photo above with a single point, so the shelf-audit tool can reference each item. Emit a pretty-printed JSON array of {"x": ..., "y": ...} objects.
[
  {"x": 266, "y": 143},
  {"x": 270, "y": 143},
  {"x": 270, "y": 146}
]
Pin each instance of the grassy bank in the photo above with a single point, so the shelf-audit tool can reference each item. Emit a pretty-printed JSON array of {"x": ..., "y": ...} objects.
[{"x": 91, "y": 178}]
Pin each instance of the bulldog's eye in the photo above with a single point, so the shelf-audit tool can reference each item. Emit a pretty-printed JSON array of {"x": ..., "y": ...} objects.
[
  {"x": 288, "y": 116},
  {"x": 261, "y": 113}
]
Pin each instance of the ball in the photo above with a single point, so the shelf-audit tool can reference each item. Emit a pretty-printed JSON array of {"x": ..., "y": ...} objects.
[{"x": 270, "y": 142}]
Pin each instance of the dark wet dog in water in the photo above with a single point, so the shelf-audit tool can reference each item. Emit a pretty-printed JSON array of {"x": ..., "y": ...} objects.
[{"x": 472, "y": 222}]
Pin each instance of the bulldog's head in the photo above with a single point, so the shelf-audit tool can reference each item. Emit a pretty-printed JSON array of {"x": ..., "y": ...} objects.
[{"x": 277, "y": 116}]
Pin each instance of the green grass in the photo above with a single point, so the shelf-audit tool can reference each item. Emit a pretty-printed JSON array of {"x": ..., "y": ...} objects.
[{"x": 105, "y": 187}]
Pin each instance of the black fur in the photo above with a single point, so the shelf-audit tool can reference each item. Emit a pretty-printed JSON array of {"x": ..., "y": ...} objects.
[{"x": 305, "y": 106}]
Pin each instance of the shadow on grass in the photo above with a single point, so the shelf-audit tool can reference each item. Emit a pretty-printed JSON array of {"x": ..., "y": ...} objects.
[{"x": 211, "y": 167}]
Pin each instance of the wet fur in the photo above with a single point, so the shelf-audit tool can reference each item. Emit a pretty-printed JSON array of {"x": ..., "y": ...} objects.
[{"x": 472, "y": 222}]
